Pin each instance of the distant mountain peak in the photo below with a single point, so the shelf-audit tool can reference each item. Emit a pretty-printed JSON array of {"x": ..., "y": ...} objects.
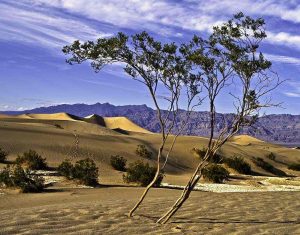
[{"x": 280, "y": 128}]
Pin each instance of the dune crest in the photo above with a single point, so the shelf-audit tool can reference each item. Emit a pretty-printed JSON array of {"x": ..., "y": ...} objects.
[
  {"x": 54, "y": 116},
  {"x": 245, "y": 140},
  {"x": 122, "y": 123}
]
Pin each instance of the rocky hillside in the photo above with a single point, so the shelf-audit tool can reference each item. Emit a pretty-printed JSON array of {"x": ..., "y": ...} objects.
[{"x": 282, "y": 128}]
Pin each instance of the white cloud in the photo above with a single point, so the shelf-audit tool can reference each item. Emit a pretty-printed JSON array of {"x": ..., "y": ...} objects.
[
  {"x": 292, "y": 94},
  {"x": 283, "y": 38},
  {"x": 32, "y": 26},
  {"x": 283, "y": 59},
  {"x": 294, "y": 90}
]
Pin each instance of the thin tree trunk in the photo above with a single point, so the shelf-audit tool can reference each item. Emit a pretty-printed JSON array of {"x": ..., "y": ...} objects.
[
  {"x": 130, "y": 214},
  {"x": 183, "y": 197}
]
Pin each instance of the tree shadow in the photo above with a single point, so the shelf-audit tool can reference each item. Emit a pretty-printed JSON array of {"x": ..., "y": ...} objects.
[{"x": 203, "y": 220}]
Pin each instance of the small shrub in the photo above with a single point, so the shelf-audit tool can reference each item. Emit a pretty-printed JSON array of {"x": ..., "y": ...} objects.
[
  {"x": 3, "y": 155},
  {"x": 66, "y": 169},
  {"x": 58, "y": 126},
  {"x": 141, "y": 173},
  {"x": 272, "y": 156},
  {"x": 143, "y": 152},
  {"x": 294, "y": 166},
  {"x": 268, "y": 167},
  {"x": 19, "y": 178},
  {"x": 118, "y": 162},
  {"x": 86, "y": 172},
  {"x": 32, "y": 160},
  {"x": 239, "y": 164},
  {"x": 215, "y": 173},
  {"x": 217, "y": 158}
]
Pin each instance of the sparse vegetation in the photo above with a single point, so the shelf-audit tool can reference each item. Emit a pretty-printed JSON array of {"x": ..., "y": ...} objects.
[
  {"x": 66, "y": 169},
  {"x": 294, "y": 166},
  {"x": 17, "y": 177},
  {"x": 215, "y": 173},
  {"x": 268, "y": 167},
  {"x": 3, "y": 155},
  {"x": 58, "y": 126},
  {"x": 239, "y": 164},
  {"x": 141, "y": 173},
  {"x": 272, "y": 156},
  {"x": 32, "y": 160},
  {"x": 85, "y": 171},
  {"x": 217, "y": 158},
  {"x": 118, "y": 162},
  {"x": 143, "y": 152}
]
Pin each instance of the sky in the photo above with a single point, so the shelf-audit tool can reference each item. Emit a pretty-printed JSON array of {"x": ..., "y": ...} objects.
[{"x": 33, "y": 72}]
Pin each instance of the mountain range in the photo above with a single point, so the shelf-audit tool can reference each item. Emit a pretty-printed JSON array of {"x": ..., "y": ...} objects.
[{"x": 276, "y": 128}]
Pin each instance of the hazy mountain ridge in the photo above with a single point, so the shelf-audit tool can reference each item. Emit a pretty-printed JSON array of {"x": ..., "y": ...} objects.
[{"x": 283, "y": 128}]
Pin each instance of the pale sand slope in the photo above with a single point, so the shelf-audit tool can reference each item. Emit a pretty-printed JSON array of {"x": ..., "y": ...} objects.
[
  {"x": 100, "y": 143},
  {"x": 103, "y": 211},
  {"x": 245, "y": 140},
  {"x": 55, "y": 116}
]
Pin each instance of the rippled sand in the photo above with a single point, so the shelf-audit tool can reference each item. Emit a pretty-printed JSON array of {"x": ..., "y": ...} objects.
[{"x": 103, "y": 211}]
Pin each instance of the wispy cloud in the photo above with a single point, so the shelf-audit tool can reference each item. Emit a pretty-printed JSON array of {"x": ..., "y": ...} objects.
[
  {"x": 283, "y": 59},
  {"x": 294, "y": 90},
  {"x": 285, "y": 39},
  {"x": 45, "y": 28}
]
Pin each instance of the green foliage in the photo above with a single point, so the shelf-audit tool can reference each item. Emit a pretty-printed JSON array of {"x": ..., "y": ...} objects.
[
  {"x": 268, "y": 167},
  {"x": 143, "y": 152},
  {"x": 17, "y": 177},
  {"x": 141, "y": 173},
  {"x": 85, "y": 171},
  {"x": 66, "y": 169},
  {"x": 215, "y": 173},
  {"x": 3, "y": 155},
  {"x": 239, "y": 164},
  {"x": 272, "y": 156},
  {"x": 32, "y": 160},
  {"x": 294, "y": 166},
  {"x": 118, "y": 162},
  {"x": 217, "y": 158}
]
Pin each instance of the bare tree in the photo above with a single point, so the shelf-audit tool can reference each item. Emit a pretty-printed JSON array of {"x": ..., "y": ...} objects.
[
  {"x": 230, "y": 56},
  {"x": 157, "y": 66}
]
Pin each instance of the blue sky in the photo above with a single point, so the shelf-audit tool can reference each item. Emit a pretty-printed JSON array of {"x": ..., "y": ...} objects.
[{"x": 33, "y": 71}]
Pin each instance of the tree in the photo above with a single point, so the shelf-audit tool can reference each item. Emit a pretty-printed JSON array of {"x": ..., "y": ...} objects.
[
  {"x": 230, "y": 56},
  {"x": 156, "y": 65}
]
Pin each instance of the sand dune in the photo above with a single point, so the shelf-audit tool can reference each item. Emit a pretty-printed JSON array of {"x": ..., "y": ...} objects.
[
  {"x": 54, "y": 116},
  {"x": 122, "y": 123},
  {"x": 245, "y": 140},
  {"x": 103, "y": 211}
]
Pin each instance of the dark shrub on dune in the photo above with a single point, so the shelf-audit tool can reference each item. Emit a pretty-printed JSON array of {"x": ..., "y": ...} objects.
[
  {"x": 268, "y": 167},
  {"x": 17, "y": 177},
  {"x": 215, "y": 173},
  {"x": 141, "y": 173},
  {"x": 143, "y": 152},
  {"x": 118, "y": 162},
  {"x": 272, "y": 156},
  {"x": 239, "y": 164},
  {"x": 32, "y": 160},
  {"x": 3, "y": 155},
  {"x": 294, "y": 166},
  {"x": 216, "y": 158},
  {"x": 85, "y": 171},
  {"x": 66, "y": 169}
]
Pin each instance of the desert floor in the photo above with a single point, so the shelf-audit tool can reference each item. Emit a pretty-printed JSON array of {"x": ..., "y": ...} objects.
[{"x": 103, "y": 211}]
